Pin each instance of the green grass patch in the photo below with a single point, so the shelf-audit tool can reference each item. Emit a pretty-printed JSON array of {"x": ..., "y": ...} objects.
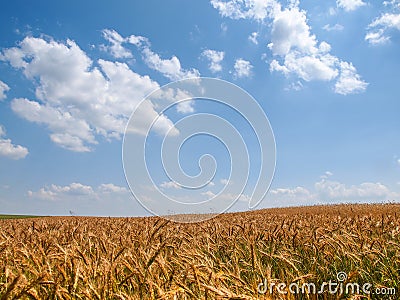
[{"x": 4, "y": 217}]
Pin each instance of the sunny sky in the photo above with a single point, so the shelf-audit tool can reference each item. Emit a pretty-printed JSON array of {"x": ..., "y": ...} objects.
[{"x": 72, "y": 72}]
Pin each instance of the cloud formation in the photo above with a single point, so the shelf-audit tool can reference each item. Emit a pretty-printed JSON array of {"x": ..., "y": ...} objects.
[
  {"x": 350, "y": 5},
  {"x": 328, "y": 191},
  {"x": 8, "y": 149},
  {"x": 253, "y": 38},
  {"x": 77, "y": 191},
  {"x": 215, "y": 58},
  {"x": 297, "y": 52},
  {"x": 243, "y": 68},
  {"x": 116, "y": 48},
  {"x": 170, "y": 68},
  {"x": 379, "y": 30},
  {"x": 3, "y": 89},
  {"x": 78, "y": 99}
]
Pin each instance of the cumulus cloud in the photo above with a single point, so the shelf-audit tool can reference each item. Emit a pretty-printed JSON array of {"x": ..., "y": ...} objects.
[
  {"x": 349, "y": 81},
  {"x": 350, "y": 5},
  {"x": 246, "y": 9},
  {"x": 185, "y": 107},
  {"x": 336, "y": 27},
  {"x": 77, "y": 191},
  {"x": 327, "y": 191},
  {"x": 290, "y": 196},
  {"x": 78, "y": 99},
  {"x": 68, "y": 131},
  {"x": 302, "y": 56},
  {"x": 387, "y": 20},
  {"x": 116, "y": 48},
  {"x": 208, "y": 194},
  {"x": 326, "y": 175},
  {"x": 112, "y": 188},
  {"x": 307, "y": 59},
  {"x": 224, "y": 181},
  {"x": 3, "y": 89},
  {"x": 377, "y": 37},
  {"x": 334, "y": 191},
  {"x": 296, "y": 50},
  {"x": 378, "y": 30},
  {"x": 170, "y": 68},
  {"x": 290, "y": 31},
  {"x": 215, "y": 58},
  {"x": 253, "y": 38},
  {"x": 8, "y": 149},
  {"x": 243, "y": 68},
  {"x": 170, "y": 185},
  {"x": 184, "y": 98}
]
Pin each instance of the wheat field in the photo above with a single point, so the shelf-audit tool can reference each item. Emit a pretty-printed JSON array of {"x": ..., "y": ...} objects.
[{"x": 223, "y": 258}]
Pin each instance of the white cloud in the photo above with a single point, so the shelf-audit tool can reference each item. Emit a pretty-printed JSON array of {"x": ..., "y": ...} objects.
[
  {"x": 137, "y": 40},
  {"x": 112, "y": 188},
  {"x": 116, "y": 41},
  {"x": 253, "y": 38},
  {"x": 387, "y": 20},
  {"x": 290, "y": 31},
  {"x": 77, "y": 100},
  {"x": 186, "y": 102},
  {"x": 68, "y": 131},
  {"x": 392, "y": 3},
  {"x": 227, "y": 196},
  {"x": 308, "y": 68},
  {"x": 246, "y": 9},
  {"x": 74, "y": 189},
  {"x": 305, "y": 58},
  {"x": 215, "y": 58},
  {"x": 3, "y": 89},
  {"x": 350, "y": 5},
  {"x": 170, "y": 68},
  {"x": 292, "y": 40},
  {"x": 377, "y": 37},
  {"x": 297, "y": 51},
  {"x": 296, "y": 196},
  {"x": 8, "y": 149},
  {"x": 326, "y": 175},
  {"x": 208, "y": 194},
  {"x": 224, "y": 28},
  {"x": 224, "y": 181},
  {"x": 336, "y": 27},
  {"x": 349, "y": 81},
  {"x": 170, "y": 185},
  {"x": 185, "y": 107},
  {"x": 77, "y": 191},
  {"x": 295, "y": 86},
  {"x": 328, "y": 191},
  {"x": 378, "y": 30},
  {"x": 332, "y": 11},
  {"x": 334, "y": 191},
  {"x": 243, "y": 68}
]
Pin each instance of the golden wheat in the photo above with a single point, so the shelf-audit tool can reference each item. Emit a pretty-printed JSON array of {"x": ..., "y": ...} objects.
[{"x": 223, "y": 258}]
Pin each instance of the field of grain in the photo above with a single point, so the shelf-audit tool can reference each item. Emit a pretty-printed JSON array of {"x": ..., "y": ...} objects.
[{"x": 227, "y": 257}]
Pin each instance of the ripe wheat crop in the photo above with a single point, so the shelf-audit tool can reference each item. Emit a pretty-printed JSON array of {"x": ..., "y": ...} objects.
[{"x": 223, "y": 258}]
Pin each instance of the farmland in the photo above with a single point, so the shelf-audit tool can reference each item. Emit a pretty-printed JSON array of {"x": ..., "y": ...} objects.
[{"x": 228, "y": 257}]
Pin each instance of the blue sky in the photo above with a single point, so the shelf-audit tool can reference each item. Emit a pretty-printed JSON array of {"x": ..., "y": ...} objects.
[{"x": 71, "y": 73}]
